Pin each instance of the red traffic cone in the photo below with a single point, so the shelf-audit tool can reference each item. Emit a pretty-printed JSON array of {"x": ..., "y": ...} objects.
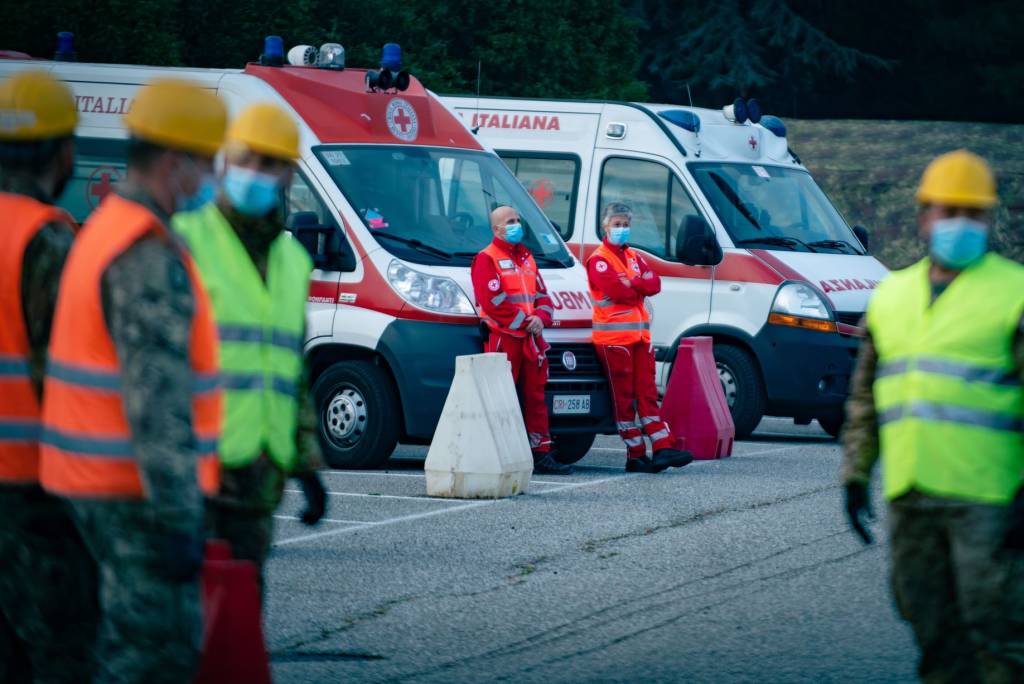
[
  {"x": 694, "y": 405},
  {"x": 233, "y": 648}
]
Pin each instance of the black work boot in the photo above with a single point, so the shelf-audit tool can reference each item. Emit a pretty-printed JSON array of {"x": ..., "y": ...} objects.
[
  {"x": 643, "y": 465},
  {"x": 672, "y": 458},
  {"x": 545, "y": 464}
]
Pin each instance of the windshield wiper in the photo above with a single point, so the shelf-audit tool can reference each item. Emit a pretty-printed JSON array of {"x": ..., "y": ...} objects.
[
  {"x": 733, "y": 198},
  {"x": 834, "y": 244},
  {"x": 413, "y": 242},
  {"x": 790, "y": 242}
]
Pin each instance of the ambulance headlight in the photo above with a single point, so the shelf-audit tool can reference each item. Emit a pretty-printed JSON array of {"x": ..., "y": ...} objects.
[
  {"x": 430, "y": 292},
  {"x": 332, "y": 56},
  {"x": 798, "y": 299}
]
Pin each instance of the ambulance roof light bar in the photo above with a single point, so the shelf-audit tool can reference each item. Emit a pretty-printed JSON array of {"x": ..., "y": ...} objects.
[
  {"x": 273, "y": 51},
  {"x": 683, "y": 118},
  {"x": 774, "y": 124},
  {"x": 391, "y": 74},
  {"x": 65, "y": 47},
  {"x": 332, "y": 56}
]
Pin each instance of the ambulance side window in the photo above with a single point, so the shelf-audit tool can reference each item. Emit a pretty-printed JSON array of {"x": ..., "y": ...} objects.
[
  {"x": 552, "y": 182},
  {"x": 660, "y": 204},
  {"x": 300, "y": 196},
  {"x": 99, "y": 166}
]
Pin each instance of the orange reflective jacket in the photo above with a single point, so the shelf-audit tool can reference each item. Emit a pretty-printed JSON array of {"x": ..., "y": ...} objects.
[
  {"x": 518, "y": 287},
  {"x": 19, "y": 405},
  {"x": 619, "y": 323},
  {"x": 86, "y": 449}
]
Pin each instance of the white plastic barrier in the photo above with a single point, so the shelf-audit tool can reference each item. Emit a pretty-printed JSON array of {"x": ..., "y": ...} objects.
[{"x": 480, "y": 449}]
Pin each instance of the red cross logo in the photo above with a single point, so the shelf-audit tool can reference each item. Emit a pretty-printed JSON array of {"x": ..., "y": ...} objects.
[
  {"x": 753, "y": 143},
  {"x": 542, "y": 191},
  {"x": 402, "y": 119},
  {"x": 101, "y": 182}
]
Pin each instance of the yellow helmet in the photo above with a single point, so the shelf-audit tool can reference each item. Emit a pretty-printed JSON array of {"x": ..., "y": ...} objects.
[
  {"x": 180, "y": 115},
  {"x": 35, "y": 106},
  {"x": 265, "y": 128},
  {"x": 958, "y": 179}
]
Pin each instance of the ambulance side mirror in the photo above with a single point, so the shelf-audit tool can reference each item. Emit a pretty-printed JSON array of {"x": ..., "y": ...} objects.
[
  {"x": 327, "y": 245},
  {"x": 862, "y": 234},
  {"x": 696, "y": 244}
]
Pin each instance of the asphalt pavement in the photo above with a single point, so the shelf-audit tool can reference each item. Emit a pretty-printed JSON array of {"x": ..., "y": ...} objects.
[{"x": 736, "y": 570}]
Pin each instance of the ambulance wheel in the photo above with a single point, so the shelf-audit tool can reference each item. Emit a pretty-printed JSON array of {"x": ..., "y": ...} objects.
[
  {"x": 571, "y": 448},
  {"x": 832, "y": 423},
  {"x": 743, "y": 387},
  {"x": 358, "y": 415}
]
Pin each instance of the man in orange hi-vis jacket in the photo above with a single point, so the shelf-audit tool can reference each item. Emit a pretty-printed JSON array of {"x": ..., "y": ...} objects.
[{"x": 620, "y": 279}]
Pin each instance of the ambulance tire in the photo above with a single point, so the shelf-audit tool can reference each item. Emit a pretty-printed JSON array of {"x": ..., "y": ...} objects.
[
  {"x": 832, "y": 423},
  {"x": 743, "y": 386},
  {"x": 571, "y": 448},
  {"x": 358, "y": 413}
]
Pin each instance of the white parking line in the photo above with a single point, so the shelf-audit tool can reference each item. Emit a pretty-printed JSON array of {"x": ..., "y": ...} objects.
[
  {"x": 327, "y": 520},
  {"x": 439, "y": 499},
  {"x": 382, "y": 523}
]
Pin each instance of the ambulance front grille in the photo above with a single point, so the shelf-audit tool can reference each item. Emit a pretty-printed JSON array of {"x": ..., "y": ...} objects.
[{"x": 587, "y": 365}]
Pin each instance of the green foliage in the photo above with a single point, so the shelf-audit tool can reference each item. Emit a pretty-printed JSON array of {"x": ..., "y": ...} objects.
[{"x": 871, "y": 169}]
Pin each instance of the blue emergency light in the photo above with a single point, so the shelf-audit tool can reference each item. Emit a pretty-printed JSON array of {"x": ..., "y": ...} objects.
[
  {"x": 391, "y": 57},
  {"x": 774, "y": 124},
  {"x": 65, "y": 47},
  {"x": 273, "y": 51},
  {"x": 683, "y": 118},
  {"x": 391, "y": 74}
]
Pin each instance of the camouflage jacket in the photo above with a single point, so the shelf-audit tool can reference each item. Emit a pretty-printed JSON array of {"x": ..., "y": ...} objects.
[
  {"x": 40, "y": 274},
  {"x": 260, "y": 485},
  {"x": 860, "y": 433},
  {"x": 148, "y": 305}
]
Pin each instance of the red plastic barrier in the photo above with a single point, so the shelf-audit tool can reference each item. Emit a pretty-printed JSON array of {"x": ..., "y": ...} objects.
[
  {"x": 694, "y": 405},
  {"x": 233, "y": 648}
]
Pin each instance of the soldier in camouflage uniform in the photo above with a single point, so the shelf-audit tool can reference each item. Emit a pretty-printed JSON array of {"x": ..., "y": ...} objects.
[
  {"x": 258, "y": 280},
  {"x": 148, "y": 545},
  {"x": 47, "y": 599},
  {"x": 937, "y": 393}
]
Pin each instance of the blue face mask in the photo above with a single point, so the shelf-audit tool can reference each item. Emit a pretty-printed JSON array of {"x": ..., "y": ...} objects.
[
  {"x": 618, "y": 235},
  {"x": 251, "y": 192},
  {"x": 514, "y": 233},
  {"x": 203, "y": 195},
  {"x": 958, "y": 242}
]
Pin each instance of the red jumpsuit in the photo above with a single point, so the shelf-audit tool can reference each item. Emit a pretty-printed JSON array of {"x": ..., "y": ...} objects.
[
  {"x": 508, "y": 289},
  {"x": 630, "y": 366}
]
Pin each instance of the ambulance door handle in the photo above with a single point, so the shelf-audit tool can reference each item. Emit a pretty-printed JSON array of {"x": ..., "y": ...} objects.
[{"x": 735, "y": 288}]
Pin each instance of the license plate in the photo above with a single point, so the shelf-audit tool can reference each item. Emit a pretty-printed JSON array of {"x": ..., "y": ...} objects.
[{"x": 571, "y": 403}]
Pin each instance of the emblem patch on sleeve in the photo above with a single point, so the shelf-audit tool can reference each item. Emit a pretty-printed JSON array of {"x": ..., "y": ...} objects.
[
  {"x": 601, "y": 266},
  {"x": 493, "y": 285}
]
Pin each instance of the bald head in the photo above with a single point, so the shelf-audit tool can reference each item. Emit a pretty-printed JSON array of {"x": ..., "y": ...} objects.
[{"x": 502, "y": 217}]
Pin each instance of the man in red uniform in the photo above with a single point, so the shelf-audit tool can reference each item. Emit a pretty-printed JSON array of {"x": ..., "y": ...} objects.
[
  {"x": 619, "y": 281},
  {"x": 513, "y": 301}
]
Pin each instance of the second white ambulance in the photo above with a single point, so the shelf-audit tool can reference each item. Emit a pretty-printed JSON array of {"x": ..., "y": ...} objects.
[{"x": 750, "y": 250}]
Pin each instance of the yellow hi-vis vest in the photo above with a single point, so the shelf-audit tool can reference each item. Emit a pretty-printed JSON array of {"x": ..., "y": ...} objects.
[
  {"x": 261, "y": 327},
  {"x": 948, "y": 397}
]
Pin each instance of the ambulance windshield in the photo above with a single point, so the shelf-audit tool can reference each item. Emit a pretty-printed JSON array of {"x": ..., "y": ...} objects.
[
  {"x": 774, "y": 208},
  {"x": 432, "y": 205}
]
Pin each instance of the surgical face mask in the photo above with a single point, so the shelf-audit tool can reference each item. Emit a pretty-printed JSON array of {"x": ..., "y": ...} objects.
[
  {"x": 251, "y": 192},
  {"x": 203, "y": 195},
  {"x": 618, "y": 235},
  {"x": 958, "y": 242},
  {"x": 514, "y": 233}
]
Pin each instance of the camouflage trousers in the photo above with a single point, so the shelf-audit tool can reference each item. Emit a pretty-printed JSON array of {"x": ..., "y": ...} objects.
[
  {"x": 150, "y": 626},
  {"x": 249, "y": 532},
  {"x": 963, "y": 597},
  {"x": 48, "y": 607}
]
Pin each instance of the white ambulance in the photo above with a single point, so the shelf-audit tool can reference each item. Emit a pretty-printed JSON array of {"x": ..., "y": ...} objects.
[
  {"x": 392, "y": 199},
  {"x": 750, "y": 250}
]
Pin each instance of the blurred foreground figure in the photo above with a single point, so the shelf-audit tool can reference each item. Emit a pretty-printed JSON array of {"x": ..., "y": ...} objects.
[{"x": 938, "y": 393}]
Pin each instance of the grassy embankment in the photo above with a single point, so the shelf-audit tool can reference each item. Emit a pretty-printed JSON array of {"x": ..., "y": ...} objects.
[{"x": 870, "y": 169}]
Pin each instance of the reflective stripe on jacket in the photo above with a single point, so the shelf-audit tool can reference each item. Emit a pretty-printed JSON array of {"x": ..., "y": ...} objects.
[
  {"x": 86, "y": 447},
  {"x": 618, "y": 323},
  {"x": 518, "y": 287},
  {"x": 261, "y": 327},
  {"x": 949, "y": 403},
  {"x": 19, "y": 405}
]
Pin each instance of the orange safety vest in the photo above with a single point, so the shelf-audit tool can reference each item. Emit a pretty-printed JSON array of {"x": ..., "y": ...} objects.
[
  {"x": 19, "y": 405},
  {"x": 618, "y": 323},
  {"x": 86, "y": 448},
  {"x": 518, "y": 287}
]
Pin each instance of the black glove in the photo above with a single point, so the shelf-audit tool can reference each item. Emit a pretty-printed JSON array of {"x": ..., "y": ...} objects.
[
  {"x": 316, "y": 498},
  {"x": 858, "y": 509},
  {"x": 181, "y": 556},
  {"x": 1014, "y": 539}
]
